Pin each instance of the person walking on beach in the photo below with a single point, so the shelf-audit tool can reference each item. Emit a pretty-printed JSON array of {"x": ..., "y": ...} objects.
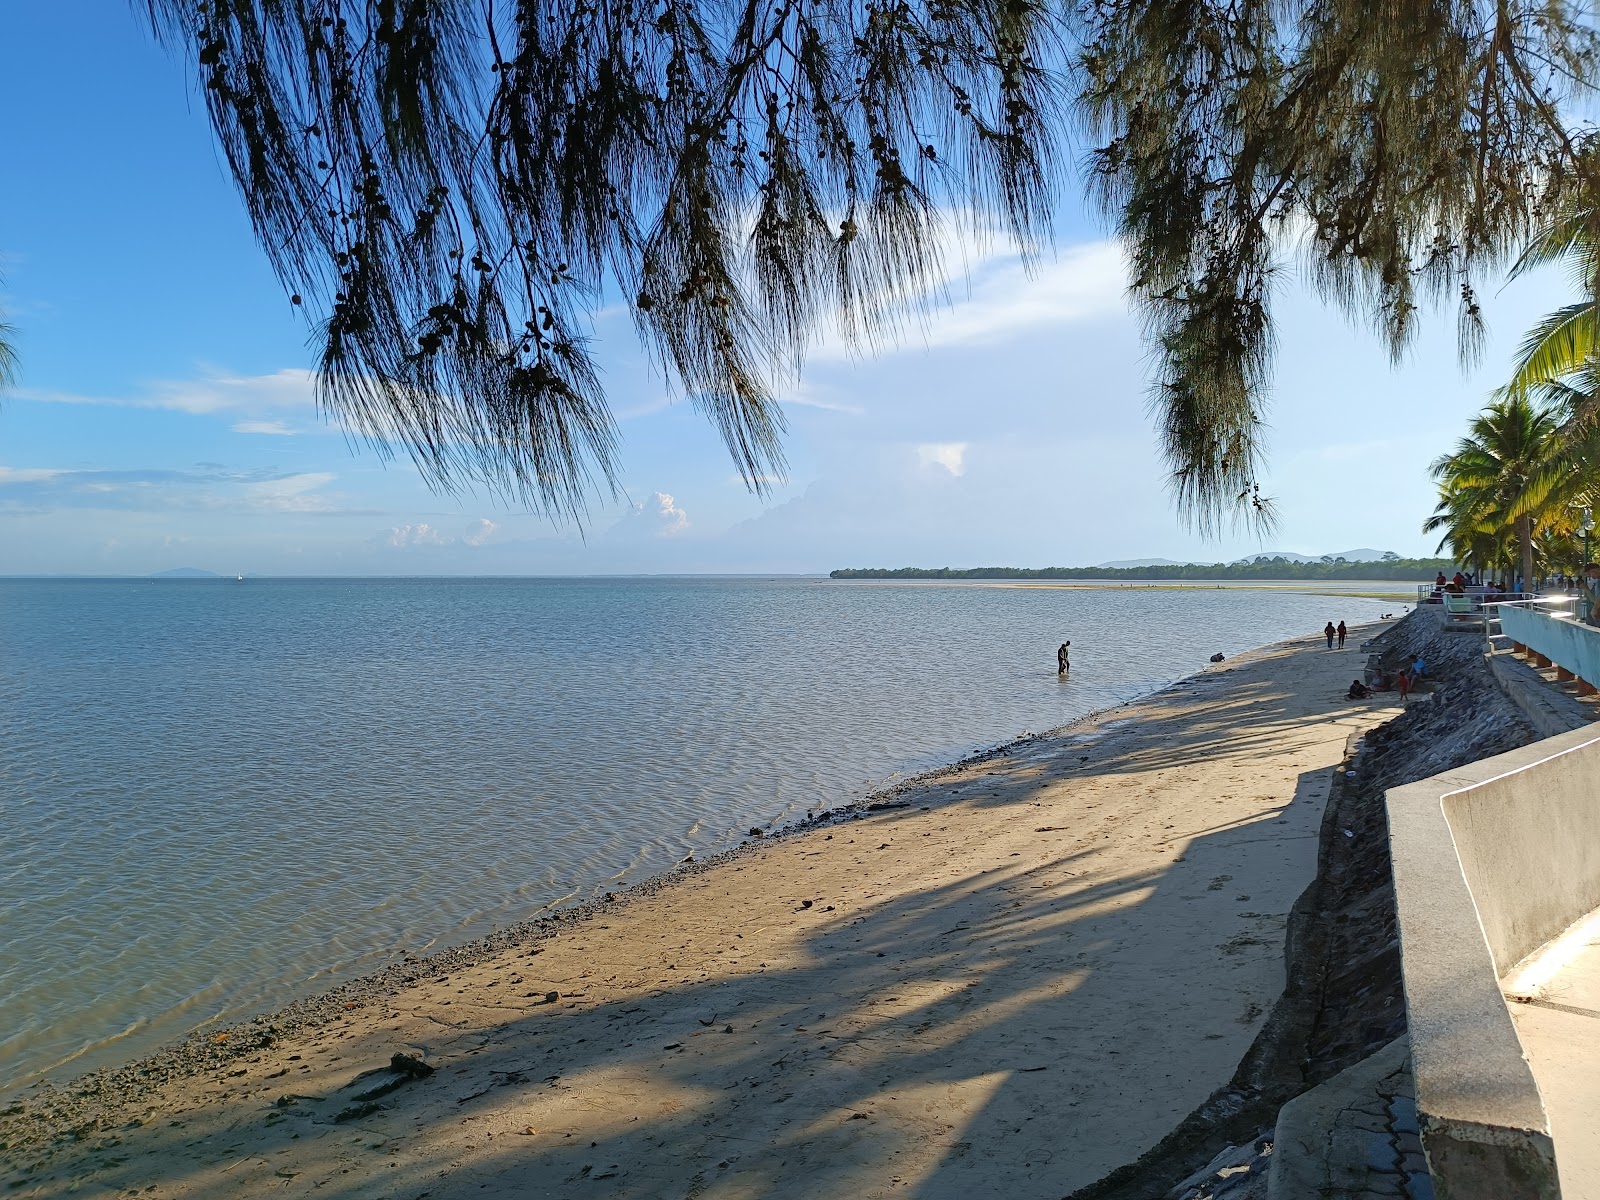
[
  {"x": 1342, "y": 631},
  {"x": 1062, "y": 665},
  {"x": 1330, "y": 633}
]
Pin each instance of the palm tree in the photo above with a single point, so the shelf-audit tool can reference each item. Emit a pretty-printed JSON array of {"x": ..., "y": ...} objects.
[
  {"x": 1506, "y": 476},
  {"x": 1563, "y": 344}
]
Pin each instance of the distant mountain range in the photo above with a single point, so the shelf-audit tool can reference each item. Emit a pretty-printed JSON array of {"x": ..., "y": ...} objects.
[{"x": 1366, "y": 554}]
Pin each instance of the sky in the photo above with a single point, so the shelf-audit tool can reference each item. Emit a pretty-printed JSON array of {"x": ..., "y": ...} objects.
[{"x": 164, "y": 413}]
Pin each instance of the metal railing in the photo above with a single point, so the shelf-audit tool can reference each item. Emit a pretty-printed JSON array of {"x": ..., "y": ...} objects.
[{"x": 1550, "y": 634}]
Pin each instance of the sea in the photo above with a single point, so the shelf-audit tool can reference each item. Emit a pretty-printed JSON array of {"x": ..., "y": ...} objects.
[{"x": 220, "y": 796}]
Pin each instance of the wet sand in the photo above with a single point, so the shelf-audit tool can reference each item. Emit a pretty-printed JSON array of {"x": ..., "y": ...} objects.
[{"x": 1016, "y": 979}]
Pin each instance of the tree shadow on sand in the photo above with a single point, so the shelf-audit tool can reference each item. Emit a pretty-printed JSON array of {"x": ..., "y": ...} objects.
[{"x": 1024, "y": 1028}]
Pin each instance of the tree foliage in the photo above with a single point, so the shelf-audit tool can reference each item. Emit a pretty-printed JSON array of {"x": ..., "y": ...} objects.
[
  {"x": 1508, "y": 480},
  {"x": 453, "y": 185}
]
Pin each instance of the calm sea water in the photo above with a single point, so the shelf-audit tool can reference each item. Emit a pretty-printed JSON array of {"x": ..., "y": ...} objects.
[{"x": 217, "y": 797}]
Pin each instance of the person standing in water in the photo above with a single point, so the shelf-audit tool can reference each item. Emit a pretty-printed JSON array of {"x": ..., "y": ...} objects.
[
  {"x": 1341, "y": 631},
  {"x": 1062, "y": 665},
  {"x": 1330, "y": 633}
]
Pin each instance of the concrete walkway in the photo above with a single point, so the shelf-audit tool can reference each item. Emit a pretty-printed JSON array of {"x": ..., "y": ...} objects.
[{"x": 1558, "y": 1024}]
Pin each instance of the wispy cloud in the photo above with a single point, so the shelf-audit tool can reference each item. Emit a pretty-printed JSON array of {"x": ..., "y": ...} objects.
[
  {"x": 273, "y": 428},
  {"x": 998, "y": 297},
  {"x": 207, "y": 488},
  {"x": 291, "y": 493},
  {"x": 214, "y": 392}
]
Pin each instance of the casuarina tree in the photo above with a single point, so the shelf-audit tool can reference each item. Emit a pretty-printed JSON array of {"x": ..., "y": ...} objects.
[{"x": 453, "y": 186}]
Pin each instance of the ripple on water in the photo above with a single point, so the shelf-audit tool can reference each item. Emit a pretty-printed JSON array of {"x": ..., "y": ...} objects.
[{"x": 218, "y": 796}]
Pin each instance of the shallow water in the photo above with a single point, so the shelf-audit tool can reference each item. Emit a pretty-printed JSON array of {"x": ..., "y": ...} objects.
[{"x": 218, "y": 797}]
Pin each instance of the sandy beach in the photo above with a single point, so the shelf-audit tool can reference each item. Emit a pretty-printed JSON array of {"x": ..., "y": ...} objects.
[{"x": 1018, "y": 977}]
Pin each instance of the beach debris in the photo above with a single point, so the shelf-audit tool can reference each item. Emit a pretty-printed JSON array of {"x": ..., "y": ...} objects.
[
  {"x": 1216, "y": 658},
  {"x": 756, "y": 831},
  {"x": 405, "y": 1068},
  {"x": 355, "y": 1112},
  {"x": 807, "y": 903},
  {"x": 551, "y": 997},
  {"x": 885, "y": 805}
]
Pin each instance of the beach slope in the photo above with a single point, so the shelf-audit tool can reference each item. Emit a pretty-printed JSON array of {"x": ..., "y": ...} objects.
[{"x": 1018, "y": 978}]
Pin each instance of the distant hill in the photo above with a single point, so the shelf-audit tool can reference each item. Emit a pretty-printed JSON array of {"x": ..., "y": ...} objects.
[
  {"x": 186, "y": 573},
  {"x": 1362, "y": 555},
  {"x": 1123, "y": 564}
]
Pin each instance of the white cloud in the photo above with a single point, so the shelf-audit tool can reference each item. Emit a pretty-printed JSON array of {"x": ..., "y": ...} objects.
[
  {"x": 659, "y": 516},
  {"x": 423, "y": 534},
  {"x": 669, "y": 518},
  {"x": 28, "y": 474},
  {"x": 420, "y": 534},
  {"x": 952, "y": 456},
  {"x": 277, "y": 428}
]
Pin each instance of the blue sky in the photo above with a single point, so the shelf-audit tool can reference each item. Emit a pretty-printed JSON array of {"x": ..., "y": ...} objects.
[{"x": 164, "y": 418}]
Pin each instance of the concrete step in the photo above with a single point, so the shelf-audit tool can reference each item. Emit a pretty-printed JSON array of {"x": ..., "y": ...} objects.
[{"x": 1354, "y": 1137}]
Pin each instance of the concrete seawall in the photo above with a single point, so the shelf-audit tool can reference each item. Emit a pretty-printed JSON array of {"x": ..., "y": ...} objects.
[{"x": 1491, "y": 862}]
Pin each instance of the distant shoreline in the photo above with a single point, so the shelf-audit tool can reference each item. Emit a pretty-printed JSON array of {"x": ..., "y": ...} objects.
[{"x": 1407, "y": 570}]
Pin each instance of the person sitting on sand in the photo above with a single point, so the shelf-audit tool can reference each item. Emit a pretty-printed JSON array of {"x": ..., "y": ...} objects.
[
  {"x": 1418, "y": 667},
  {"x": 1358, "y": 690},
  {"x": 1062, "y": 665},
  {"x": 1329, "y": 632}
]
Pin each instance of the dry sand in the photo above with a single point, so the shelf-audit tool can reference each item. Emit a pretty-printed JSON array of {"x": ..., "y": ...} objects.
[{"x": 1019, "y": 981}]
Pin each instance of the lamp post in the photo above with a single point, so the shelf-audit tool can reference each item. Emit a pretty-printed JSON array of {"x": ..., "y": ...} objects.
[{"x": 1586, "y": 598}]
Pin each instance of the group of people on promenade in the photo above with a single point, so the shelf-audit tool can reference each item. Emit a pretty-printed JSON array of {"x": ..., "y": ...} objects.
[
  {"x": 1493, "y": 590},
  {"x": 1586, "y": 585}
]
